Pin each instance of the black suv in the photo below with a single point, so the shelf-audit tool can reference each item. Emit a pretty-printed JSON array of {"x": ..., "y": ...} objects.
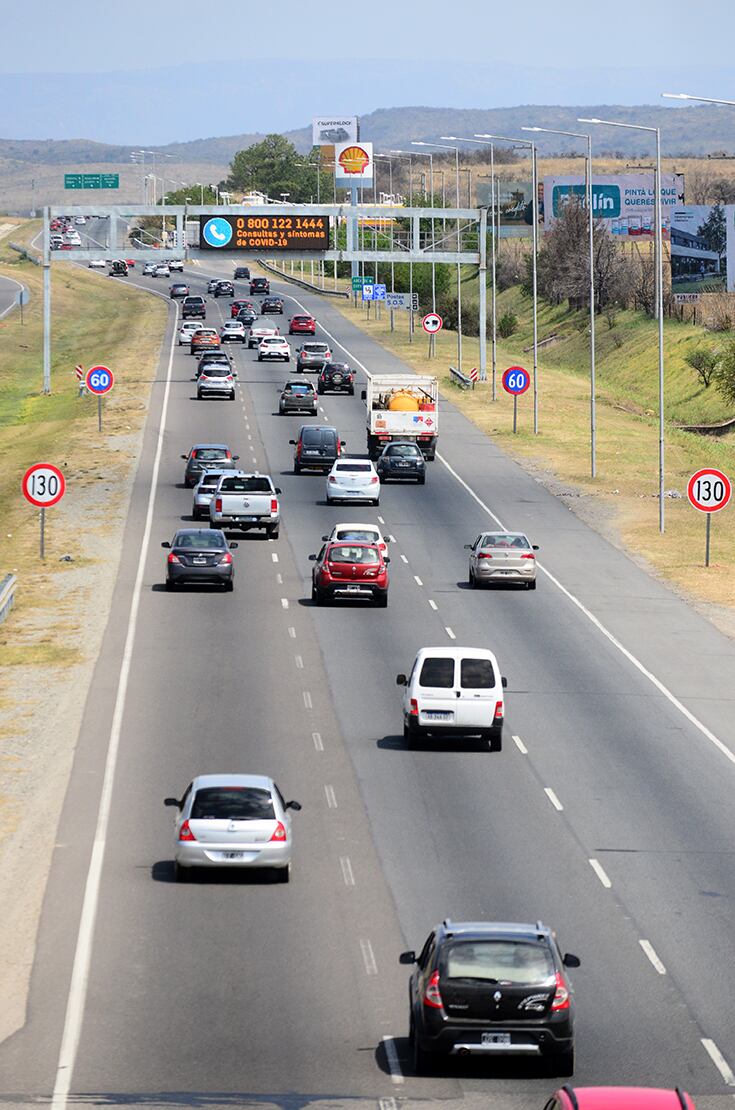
[
  {"x": 242, "y": 272},
  {"x": 259, "y": 285},
  {"x": 224, "y": 289},
  {"x": 401, "y": 460},
  {"x": 491, "y": 989},
  {"x": 271, "y": 304},
  {"x": 336, "y": 377},
  {"x": 194, "y": 306},
  {"x": 316, "y": 448}
]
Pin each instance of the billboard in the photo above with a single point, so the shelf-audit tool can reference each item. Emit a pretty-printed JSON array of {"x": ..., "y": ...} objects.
[
  {"x": 353, "y": 165},
  {"x": 514, "y": 201},
  {"x": 625, "y": 202},
  {"x": 703, "y": 248},
  {"x": 330, "y": 130},
  {"x": 264, "y": 233}
]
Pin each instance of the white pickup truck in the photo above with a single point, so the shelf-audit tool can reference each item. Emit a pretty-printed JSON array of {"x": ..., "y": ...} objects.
[
  {"x": 402, "y": 406},
  {"x": 244, "y": 501}
]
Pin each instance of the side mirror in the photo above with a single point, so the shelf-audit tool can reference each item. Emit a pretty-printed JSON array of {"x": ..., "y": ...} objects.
[
  {"x": 400, "y": 680},
  {"x": 165, "y": 544},
  {"x": 407, "y": 957},
  {"x": 468, "y": 547},
  {"x": 363, "y": 395},
  {"x": 277, "y": 489},
  {"x": 234, "y": 373},
  {"x": 570, "y": 960},
  {"x": 295, "y": 806},
  {"x": 185, "y": 456},
  {"x": 342, "y": 443},
  {"x": 234, "y": 546},
  {"x": 504, "y": 682},
  {"x": 325, "y": 537},
  {"x": 292, "y": 441},
  {"x": 235, "y": 458},
  {"x": 172, "y": 802},
  {"x": 535, "y": 546},
  {"x": 386, "y": 558},
  {"x": 312, "y": 558}
]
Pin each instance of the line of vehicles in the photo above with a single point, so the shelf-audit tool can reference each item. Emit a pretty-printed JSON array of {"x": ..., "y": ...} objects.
[{"x": 484, "y": 989}]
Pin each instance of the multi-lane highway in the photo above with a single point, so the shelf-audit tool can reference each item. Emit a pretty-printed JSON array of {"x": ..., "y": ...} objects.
[
  {"x": 608, "y": 814},
  {"x": 9, "y": 290}
]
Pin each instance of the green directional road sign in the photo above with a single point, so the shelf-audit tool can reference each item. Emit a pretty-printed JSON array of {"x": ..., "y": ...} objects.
[
  {"x": 91, "y": 180},
  {"x": 358, "y": 282}
]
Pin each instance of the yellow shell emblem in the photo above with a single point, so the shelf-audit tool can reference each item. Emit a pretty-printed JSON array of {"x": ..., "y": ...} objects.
[{"x": 354, "y": 159}]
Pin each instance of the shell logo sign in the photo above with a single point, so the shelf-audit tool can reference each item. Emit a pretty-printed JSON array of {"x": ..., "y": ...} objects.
[{"x": 353, "y": 164}]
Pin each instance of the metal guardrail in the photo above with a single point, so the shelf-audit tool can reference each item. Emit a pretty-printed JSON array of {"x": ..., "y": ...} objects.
[
  {"x": 23, "y": 252},
  {"x": 298, "y": 281},
  {"x": 7, "y": 595},
  {"x": 461, "y": 379}
]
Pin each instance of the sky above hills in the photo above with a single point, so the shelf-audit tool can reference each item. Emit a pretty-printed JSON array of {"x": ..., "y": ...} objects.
[{"x": 147, "y": 73}]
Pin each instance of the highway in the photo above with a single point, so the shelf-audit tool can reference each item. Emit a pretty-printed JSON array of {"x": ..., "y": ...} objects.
[
  {"x": 9, "y": 290},
  {"x": 608, "y": 814}
]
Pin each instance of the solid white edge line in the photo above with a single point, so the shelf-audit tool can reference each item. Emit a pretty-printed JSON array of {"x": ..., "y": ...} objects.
[
  {"x": 719, "y": 1061},
  {"x": 368, "y": 956},
  {"x": 85, "y": 936},
  {"x": 599, "y": 870},
  {"x": 651, "y": 953},
  {"x": 391, "y": 1056},
  {"x": 520, "y": 745},
  {"x": 553, "y": 799}
]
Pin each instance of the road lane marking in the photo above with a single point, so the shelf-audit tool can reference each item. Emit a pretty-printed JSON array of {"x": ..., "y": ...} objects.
[
  {"x": 601, "y": 873},
  {"x": 417, "y": 580},
  {"x": 292, "y": 632},
  {"x": 274, "y": 556},
  {"x": 391, "y": 1056},
  {"x": 433, "y": 604},
  {"x": 520, "y": 745},
  {"x": 318, "y": 742},
  {"x": 404, "y": 557},
  {"x": 331, "y": 796},
  {"x": 380, "y": 520},
  {"x": 651, "y": 953},
  {"x": 387, "y": 1103},
  {"x": 719, "y": 1061},
  {"x": 279, "y": 579},
  {"x": 449, "y": 632},
  {"x": 553, "y": 799},
  {"x": 347, "y": 873},
  {"x": 284, "y": 602},
  {"x": 368, "y": 957},
  {"x": 299, "y": 662},
  {"x": 307, "y": 700},
  {"x": 85, "y": 936}
]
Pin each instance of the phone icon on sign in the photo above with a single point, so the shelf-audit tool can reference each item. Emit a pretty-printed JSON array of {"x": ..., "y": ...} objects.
[{"x": 217, "y": 232}]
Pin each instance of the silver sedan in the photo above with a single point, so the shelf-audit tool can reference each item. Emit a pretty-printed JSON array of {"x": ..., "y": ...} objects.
[
  {"x": 502, "y": 557},
  {"x": 204, "y": 492},
  {"x": 236, "y": 821}
]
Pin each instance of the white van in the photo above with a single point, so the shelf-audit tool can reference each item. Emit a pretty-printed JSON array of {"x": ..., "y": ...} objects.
[{"x": 453, "y": 691}]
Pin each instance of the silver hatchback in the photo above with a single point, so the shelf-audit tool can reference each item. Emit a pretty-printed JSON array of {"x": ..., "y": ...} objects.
[
  {"x": 502, "y": 557},
  {"x": 239, "y": 821},
  {"x": 204, "y": 492}
]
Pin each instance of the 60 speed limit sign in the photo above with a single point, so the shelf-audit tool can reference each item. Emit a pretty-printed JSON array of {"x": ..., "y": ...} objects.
[
  {"x": 709, "y": 490},
  {"x": 43, "y": 485}
]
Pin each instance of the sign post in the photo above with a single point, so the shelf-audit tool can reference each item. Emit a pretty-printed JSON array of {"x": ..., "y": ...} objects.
[
  {"x": 99, "y": 380},
  {"x": 709, "y": 491},
  {"x": 43, "y": 485},
  {"x": 516, "y": 381}
]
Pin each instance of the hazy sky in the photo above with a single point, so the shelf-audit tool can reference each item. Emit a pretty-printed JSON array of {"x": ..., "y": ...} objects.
[{"x": 87, "y": 35}]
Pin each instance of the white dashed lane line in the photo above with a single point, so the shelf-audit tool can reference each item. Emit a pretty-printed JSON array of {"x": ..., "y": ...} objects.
[
  {"x": 292, "y": 632},
  {"x": 284, "y": 602},
  {"x": 318, "y": 742},
  {"x": 274, "y": 556},
  {"x": 330, "y": 796},
  {"x": 719, "y": 1061},
  {"x": 449, "y": 633},
  {"x": 368, "y": 957},
  {"x": 520, "y": 745},
  {"x": 417, "y": 580},
  {"x": 299, "y": 662},
  {"x": 404, "y": 557},
  {"x": 599, "y": 870},
  {"x": 391, "y": 1056},
  {"x": 553, "y": 799},
  {"x": 433, "y": 605},
  {"x": 348, "y": 874},
  {"x": 307, "y": 700},
  {"x": 651, "y": 953}
]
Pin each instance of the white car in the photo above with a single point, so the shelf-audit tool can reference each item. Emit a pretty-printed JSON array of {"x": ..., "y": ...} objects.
[
  {"x": 453, "y": 691},
  {"x": 274, "y": 346},
  {"x": 97, "y": 264},
  {"x": 73, "y": 238},
  {"x": 232, "y": 821},
  {"x": 176, "y": 264},
  {"x": 186, "y": 331},
  {"x": 353, "y": 480},
  {"x": 232, "y": 330},
  {"x": 80, "y": 220},
  {"x": 357, "y": 532},
  {"x": 259, "y": 333},
  {"x": 149, "y": 268},
  {"x": 162, "y": 270}
]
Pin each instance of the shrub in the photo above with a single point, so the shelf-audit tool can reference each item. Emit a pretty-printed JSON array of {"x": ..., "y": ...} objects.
[
  {"x": 507, "y": 325},
  {"x": 704, "y": 361}
]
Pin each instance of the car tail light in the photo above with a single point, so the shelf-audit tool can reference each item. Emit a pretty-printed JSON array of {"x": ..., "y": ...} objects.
[
  {"x": 279, "y": 833},
  {"x": 274, "y": 505},
  {"x": 228, "y": 454},
  {"x": 483, "y": 555},
  {"x": 226, "y": 558},
  {"x": 528, "y": 556},
  {"x": 218, "y": 504},
  {"x": 561, "y": 995},
  {"x": 185, "y": 832},
  {"x": 298, "y": 449},
  {"x": 229, "y": 377},
  {"x": 173, "y": 558},
  {"x": 432, "y": 994},
  {"x": 373, "y": 480},
  {"x": 498, "y": 710},
  {"x": 414, "y": 710},
  {"x": 332, "y": 478}
]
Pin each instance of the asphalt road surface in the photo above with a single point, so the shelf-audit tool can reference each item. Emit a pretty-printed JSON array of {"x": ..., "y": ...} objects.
[
  {"x": 608, "y": 814},
  {"x": 9, "y": 290}
]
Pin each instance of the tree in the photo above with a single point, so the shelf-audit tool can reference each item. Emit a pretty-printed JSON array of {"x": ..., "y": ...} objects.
[
  {"x": 563, "y": 261},
  {"x": 724, "y": 373},
  {"x": 714, "y": 230},
  {"x": 273, "y": 167},
  {"x": 704, "y": 361}
]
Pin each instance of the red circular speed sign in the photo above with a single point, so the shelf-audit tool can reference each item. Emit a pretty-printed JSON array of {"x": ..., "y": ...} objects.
[
  {"x": 709, "y": 490},
  {"x": 43, "y": 485}
]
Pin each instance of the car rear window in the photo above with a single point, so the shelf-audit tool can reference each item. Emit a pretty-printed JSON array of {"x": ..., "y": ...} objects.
[
  {"x": 437, "y": 671},
  {"x": 505, "y": 962},
  {"x": 300, "y": 389},
  {"x": 216, "y": 372},
  {"x": 354, "y": 468},
  {"x": 500, "y": 539},
  {"x": 358, "y": 536},
  {"x": 403, "y": 450},
  {"x": 245, "y": 485},
  {"x": 353, "y": 555},
  {"x": 199, "y": 540},
  {"x": 237, "y": 803},
  {"x": 312, "y": 437},
  {"x": 205, "y": 454},
  {"x": 476, "y": 674},
  {"x": 211, "y": 478},
  {"x": 314, "y": 348},
  {"x": 194, "y": 300}
]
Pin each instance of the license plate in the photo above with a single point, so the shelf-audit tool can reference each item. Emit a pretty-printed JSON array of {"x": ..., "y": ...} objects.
[
  {"x": 354, "y": 589},
  {"x": 232, "y": 855},
  {"x": 496, "y": 1038},
  {"x": 438, "y": 715},
  {"x": 199, "y": 562}
]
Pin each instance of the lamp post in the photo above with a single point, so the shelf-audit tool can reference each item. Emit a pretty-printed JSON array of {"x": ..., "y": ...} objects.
[
  {"x": 658, "y": 240},
  {"x": 591, "y": 233},
  {"x": 409, "y": 154},
  {"x": 442, "y": 146},
  {"x": 389, "y": 160},
  {"x": 430, "y": 156},
  {"x": 201, "y": 191}
]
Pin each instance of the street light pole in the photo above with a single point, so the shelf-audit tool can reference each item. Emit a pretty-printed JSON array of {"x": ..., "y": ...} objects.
[
  {"x": 658, "y": 240},
  {"x": 430, "y": 156},
  {"x": 591, "y": 238},
  {"x": 441, "y": 146}
]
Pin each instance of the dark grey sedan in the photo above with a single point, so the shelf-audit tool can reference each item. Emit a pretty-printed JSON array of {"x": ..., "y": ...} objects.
[
  {"x": 298, "y": 396},
  {"x": 199, "y": 555},
  {"x": 207, "y": 456},
  {"x": 401, "y": 461}
]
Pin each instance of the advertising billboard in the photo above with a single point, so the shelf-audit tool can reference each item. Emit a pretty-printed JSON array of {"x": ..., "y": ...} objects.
[
  {"x": 264, "y": 233},
  {"x": 624, "y": 202},
  {"x": 703, "y": 248},
  {"x": 330, "y": 130},
  {"x": 353, "y": 164}
]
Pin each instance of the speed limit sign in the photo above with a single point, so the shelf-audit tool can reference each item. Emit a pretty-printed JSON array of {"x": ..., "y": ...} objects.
[
  {"x": 709, "y": 490},
  {"x": 100, "y": 379},
  {"x": 43, "y": 485}
]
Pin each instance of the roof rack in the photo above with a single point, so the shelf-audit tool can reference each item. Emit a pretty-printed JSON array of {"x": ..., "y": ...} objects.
[{"x": 569, "y": 1092}]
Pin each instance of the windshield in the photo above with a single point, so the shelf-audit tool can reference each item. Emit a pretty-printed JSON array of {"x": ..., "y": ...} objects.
[
  {"x": 359, "y": 535},
  {"x": 245, "y": 485},
  {"x": 208, "y": 453},
  {"x": 216, "y": 372},
  {"x": 500, "y": 961},
  {"x": 403, "y": 450},
  {"x": 234, "y": 803},
  {"x": 314, "y": 348},
  {"x": 504, "y": 539},
  {"x": 199, "y": 540},
  {"x": 300, "y": 389},
  {"x": 353, "y": 555}
]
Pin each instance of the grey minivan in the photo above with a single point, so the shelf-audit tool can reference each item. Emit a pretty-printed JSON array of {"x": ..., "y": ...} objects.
[{"x": 317, "y": 448}]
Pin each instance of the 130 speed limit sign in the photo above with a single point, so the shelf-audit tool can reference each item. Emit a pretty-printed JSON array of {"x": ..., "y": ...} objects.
[
  {"x": 43, "y": 485},
  {"x": 709, "y": 490}
]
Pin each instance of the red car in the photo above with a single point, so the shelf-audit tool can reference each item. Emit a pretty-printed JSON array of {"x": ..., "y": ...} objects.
[
  {"x": 348, "y": 570},
  {"x": 619, "y": 1098},
  {"x": 131, "y": 263},
  {"x": 302, "y": 325},
  {"x": 237, "y": 306}
]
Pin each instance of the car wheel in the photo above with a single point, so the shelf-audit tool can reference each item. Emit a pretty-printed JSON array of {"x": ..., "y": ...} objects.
[
  {"x": 562, "y": 1063},
  {"x": 299, "y": 369},
  {"x": 169, "y": 585},
  {"x": 282, "y": 874},
  {"x": 410, "y": 735},
  {"x": 381, "y": 601},
  {"x": 472, "y": 579},
  {"x": 272, "y": 532},
  {"x": 494, "y": 739},
  {"x": 420, "y": 1059},
  {"x": 319, "y": 390},
  {"x": 182, "y": 874},
  {"x": 321, "y": 597},
  {"x": 532, "y": 585},
  {"x": 422, "y": 480},
  {"x": 296, "y": 468},
  {"x": 260, "y": 358},
  {"x": 376, "y": 502}
]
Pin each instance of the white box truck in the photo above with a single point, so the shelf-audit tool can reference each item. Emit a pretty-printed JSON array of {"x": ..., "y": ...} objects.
[{"x": 402, "y": 406}]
